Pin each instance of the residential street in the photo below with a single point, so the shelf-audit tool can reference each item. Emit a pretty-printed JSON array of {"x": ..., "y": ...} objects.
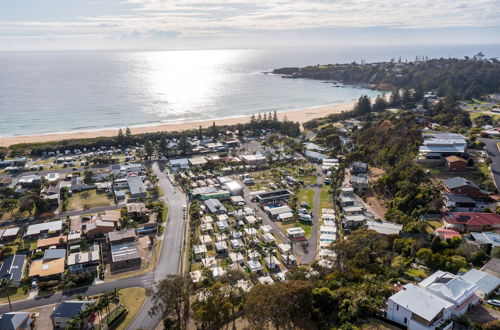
[
  {"x": 169, "y": 262},
  {"x": 494, "y": 155}
]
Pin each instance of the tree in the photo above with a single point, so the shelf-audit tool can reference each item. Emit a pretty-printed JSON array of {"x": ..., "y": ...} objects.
[
  {"x": 65, "y": 283},
  {"x": 184, "y": 144},
  {"x": 149, "y": 149},
  {"x": 213, "y": 306},
  {"x": 120, "y": 138},
  {"x": 200, "y": 133},
  {"x": 163, "y": 147},
  {"x": 214, "y": 130},
  {"x": 363, "y": 106},
  {"x": 395, "y": 98},
  {"x": 284, "y": 304},
  {"x": 88, "y": 177},
  {"x": 5, "y": 285},
  {"x": 380, "y": 103},
  {"x": 171, "y": 301},
  {"x": 8, "y": 204},
  {"x": 495, "y": 252}
]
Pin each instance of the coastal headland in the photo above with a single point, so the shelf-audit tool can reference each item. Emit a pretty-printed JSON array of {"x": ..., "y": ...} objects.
[{"x": 300, "y": 116}]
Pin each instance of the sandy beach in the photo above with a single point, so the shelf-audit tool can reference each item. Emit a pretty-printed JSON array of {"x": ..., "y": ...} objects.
[{"x": 293, "y": 115}]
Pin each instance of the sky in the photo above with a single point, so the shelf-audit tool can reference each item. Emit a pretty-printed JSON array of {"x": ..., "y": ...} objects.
[{"x": 181, "y": 24}]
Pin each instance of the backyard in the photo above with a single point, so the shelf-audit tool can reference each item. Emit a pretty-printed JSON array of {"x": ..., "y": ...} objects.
[{"x": 88, "y": 199}]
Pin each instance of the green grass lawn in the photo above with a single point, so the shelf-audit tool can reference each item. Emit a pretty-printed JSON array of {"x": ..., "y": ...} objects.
[
  {"x": 325, "y": 198},
  {"x": 307, "y": 226},
  {"x": 434, "y": 224},
  {"x": 306, "y": 195},
  {"x": 88, "y": 199},
  {"x": 132, "y": 299},
  {"x": 15, "y": 294}
]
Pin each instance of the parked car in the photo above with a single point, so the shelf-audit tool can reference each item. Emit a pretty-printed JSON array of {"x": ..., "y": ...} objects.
[{"x": 494, "y": 302}]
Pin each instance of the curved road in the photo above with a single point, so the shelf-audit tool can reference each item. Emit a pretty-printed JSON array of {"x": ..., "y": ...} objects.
[
  {"x": 169, "y": 262},
  {"x": 494, "y": 154}
]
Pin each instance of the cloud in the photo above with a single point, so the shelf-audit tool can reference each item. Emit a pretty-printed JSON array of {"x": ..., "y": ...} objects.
[{"x": 218, "y": 18}]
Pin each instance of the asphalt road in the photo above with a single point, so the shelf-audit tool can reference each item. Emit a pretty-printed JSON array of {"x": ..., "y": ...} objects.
[
  {"x": 144, "y": 281},
  {"x": 170, "y": 258},
  {"x": 169, "y": 262},
  {"x": 494, "y": 155}
]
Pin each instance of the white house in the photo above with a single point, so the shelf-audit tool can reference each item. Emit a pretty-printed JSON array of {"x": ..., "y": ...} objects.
[{"x": 432, "y": 302}]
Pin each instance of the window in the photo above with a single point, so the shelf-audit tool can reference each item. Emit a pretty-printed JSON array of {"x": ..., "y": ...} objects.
[
  {"x": 397, "y": 307},
  {"x": 405, "y": 320}
]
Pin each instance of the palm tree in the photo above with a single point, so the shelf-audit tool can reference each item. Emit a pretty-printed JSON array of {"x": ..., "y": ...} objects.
[
  {"x": 65, "y": 284},
  {"x": 114, "y": 295},
  {"x": 5, "y": 285},
  {"x": 104, "y": 302}
]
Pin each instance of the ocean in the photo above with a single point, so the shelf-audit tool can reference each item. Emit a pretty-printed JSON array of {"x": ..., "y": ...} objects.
[{"x": 48, "y": 92}]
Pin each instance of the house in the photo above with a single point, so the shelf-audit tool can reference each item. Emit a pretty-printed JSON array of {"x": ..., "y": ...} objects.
[
  {"x": 384, "y": 227},
  {"x": 136, "y": 187},
  {"x": 47, "y": 270},
  {"x": 455, "y": 164},
  {"x": 353, "y": 210},
  {"x": 486, "y": 283},
  {"x": 471, "y": 221},
  {"x": 221, "y": 247},
  {"x": 486, "y": 239},
  {"x": 179, "y": 164},
  {"x": 53, "y": 254},
  {"x": 16, "y": 321},
  {"x": 84, "y": 261},
  {"x": 8, "y": 234},
  {"x": 67, "y": 310},
  {"x": 54, "y": 242},
  {"x": 197, "y": 161},
  {"x": 459, "y": 185},
  {"x": 326, "y": 240},
  {"x": 273, "y": 196},
  {"x": 439, "y": 145},
  {"x": 447, "y": 234},
  {"x": 353, "y": 221},
  {"x": 254, "y": 159},
  {"x": 274, "y": 212},
  {"x": 30, "y": 181},
  {"x": 13, "y": 268},
  {"x": 99, "y": 228},
  {"x": 315, "y": 156},
  {"x": 215, "y": 206},
  {"x": 359, "y": 182},
  {"x": 137, "y": 209},
  {"x": 199, "y": 251},
  {"x": 124, "y": 251},
  {"x": 358, "y": 168},
  {"x": 234, "y": 188},
  {"x": 296, "y": 233},
  {"x": 46, "y": 228},
  {"x": 52, "y": 195},
  {"x": 431, "y": 302},
  {"x": 53, "y": 178},
  {"x": 492, "y": 267},
  {"x": 254, "y": 266},
  {"x": 461, "y": 203},
  {"x": 285, "y": 217}
]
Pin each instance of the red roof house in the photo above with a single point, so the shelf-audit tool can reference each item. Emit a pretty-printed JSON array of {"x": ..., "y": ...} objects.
[
  {"x": 447, "y": 234},
  {"x": 468, "y": 222}
]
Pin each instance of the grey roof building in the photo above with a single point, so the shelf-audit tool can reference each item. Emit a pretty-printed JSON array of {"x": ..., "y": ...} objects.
[
  {"x": 136, "y": 186},
  {"x": 16, "y": 321},
  {"x": 51, "y": 254},
  {"x": 12, "y": 268},
  {"x": 485, "y": 282},
  {"x": 215, "y": 206},
  {"x": 458, "y": 182},
  {"x": 67, "y": 310},
  {"x": 53, "y": 226}
]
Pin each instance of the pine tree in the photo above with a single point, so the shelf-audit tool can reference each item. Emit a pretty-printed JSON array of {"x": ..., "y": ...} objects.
[
  {"x": 200, "y": 133},
  {"x": 395, "y": 99},
  {"x": 275, "y": 116},
  {"x": 380, "y": 103},
  {"x": 184, "y": 144},
  {"x": 120, "y": 139},
  {"x": 406, "y": 98},
  {"x": 163, "y": 147},
  {"x": 363, "y": 106},
  {"x": 149, "y": 148},
  {"x": 215, "y": 131}
]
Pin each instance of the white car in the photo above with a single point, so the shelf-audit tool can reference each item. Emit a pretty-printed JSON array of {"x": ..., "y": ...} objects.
[{"x": 494, "y": 302}]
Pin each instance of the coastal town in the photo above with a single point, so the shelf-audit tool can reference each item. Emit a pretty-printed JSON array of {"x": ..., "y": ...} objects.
[{"x": 385, "y": 216}]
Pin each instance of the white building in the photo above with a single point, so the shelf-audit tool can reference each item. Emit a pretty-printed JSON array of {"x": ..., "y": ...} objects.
[{"x": 432, "y": 302}]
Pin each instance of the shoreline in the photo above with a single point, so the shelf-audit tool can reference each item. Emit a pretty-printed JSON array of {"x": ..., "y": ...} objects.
[{"x": 302, "y": 115}]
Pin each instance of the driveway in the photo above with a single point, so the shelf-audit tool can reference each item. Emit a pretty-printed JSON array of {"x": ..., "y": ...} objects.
[
  {"x": 482, "y": 315},
  {"x": 494, "y": 155}
]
